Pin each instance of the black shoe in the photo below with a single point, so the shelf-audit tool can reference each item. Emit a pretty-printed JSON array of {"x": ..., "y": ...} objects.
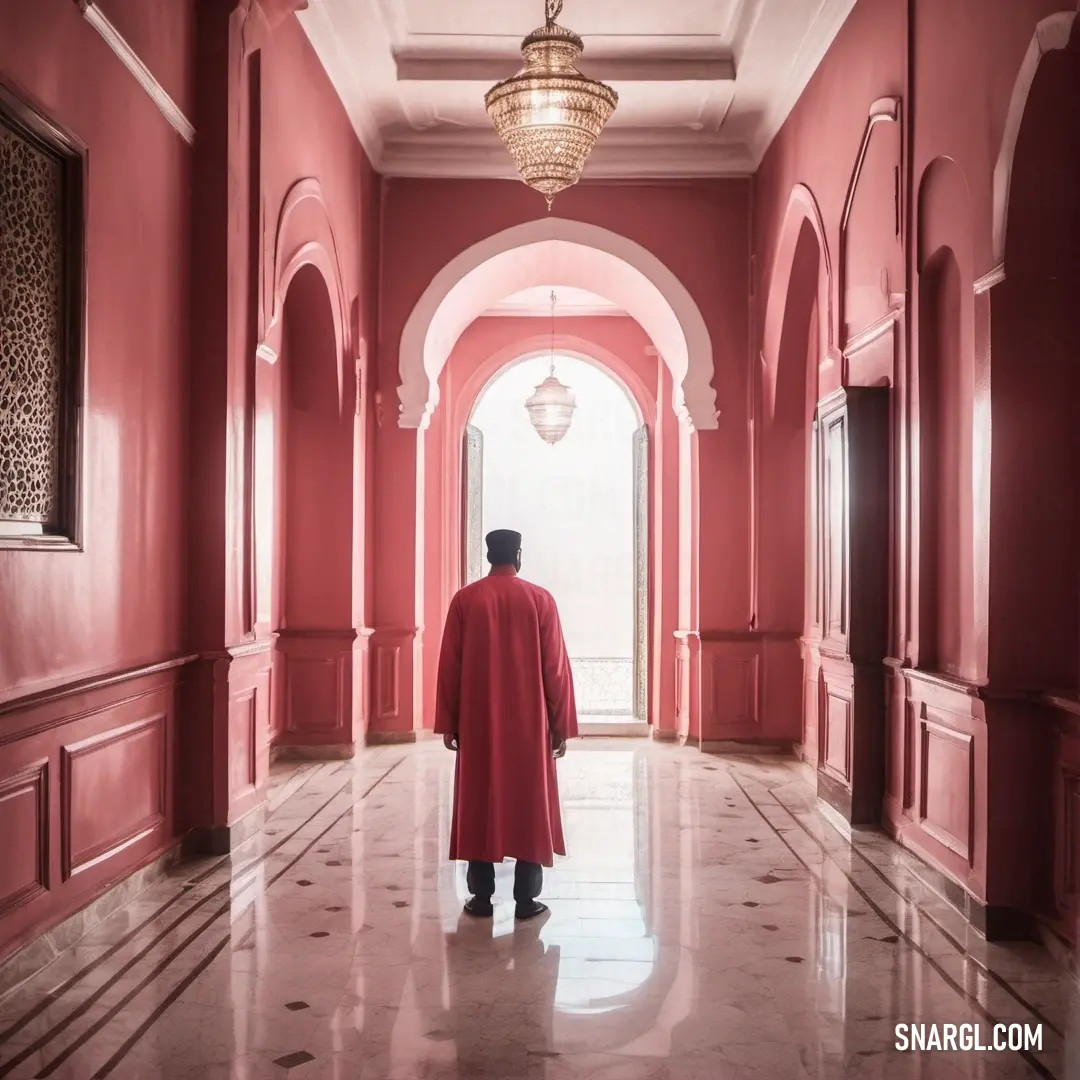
[
  {"x": 529, "y": 910},
  {"x": 479, "y": 907}
]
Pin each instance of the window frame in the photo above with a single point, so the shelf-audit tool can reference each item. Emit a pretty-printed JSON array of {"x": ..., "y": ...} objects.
[{"x": 29, "y": 121}]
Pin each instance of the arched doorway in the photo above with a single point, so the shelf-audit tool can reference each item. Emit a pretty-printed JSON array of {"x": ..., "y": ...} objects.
[
  {"x": 304, "y": 527},
  {"x": 582, "y": 506},
  {"x": 1033, "y": 422},
  {"x": 418, "y": 499},
  {"x": 797, "y": 340}
]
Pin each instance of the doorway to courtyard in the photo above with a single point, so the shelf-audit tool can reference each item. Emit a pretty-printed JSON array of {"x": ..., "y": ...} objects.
[{"x": 582, "y": 507}]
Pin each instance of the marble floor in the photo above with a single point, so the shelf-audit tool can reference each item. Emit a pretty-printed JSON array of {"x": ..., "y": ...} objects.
[{"x": 708, "y": 924}]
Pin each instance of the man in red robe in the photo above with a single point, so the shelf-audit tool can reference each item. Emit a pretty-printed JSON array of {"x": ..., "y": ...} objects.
[{"x": 505, "y": 703}]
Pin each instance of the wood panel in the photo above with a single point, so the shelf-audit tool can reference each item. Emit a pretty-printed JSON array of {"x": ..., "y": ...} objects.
[
  {"x": 1066, "y": 819},
  {"x": 315, "y": 697},
  {"x": 1069, "y": 817},
  {"x": 853, "y": 426},
  {"x": 86, "y": 792},
  {"x": 387, "y": 681},
  {"x": 243, "y": 742},
  {"x": 946, "y": 760},
  {"x": 947, "y": 787},
  {"x": 395, "y": 671},
  {"x": 836, "y": 734},
  {"x": 24, "y": 824},
  {"x": 731, "y": 688},
  {"x": 131, "y": 759}
]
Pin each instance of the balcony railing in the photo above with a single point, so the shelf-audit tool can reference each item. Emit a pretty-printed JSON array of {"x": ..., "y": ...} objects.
[{"x": 604, "y": 685}]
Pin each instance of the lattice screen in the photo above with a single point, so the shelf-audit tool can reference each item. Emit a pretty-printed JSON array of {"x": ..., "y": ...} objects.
[{"x": 31, "y": 330}]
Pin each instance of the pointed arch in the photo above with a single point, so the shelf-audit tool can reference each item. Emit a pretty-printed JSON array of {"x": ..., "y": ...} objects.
[
  {"x": 1051, "y": 34},
  {"x": 578, "y": 255}
]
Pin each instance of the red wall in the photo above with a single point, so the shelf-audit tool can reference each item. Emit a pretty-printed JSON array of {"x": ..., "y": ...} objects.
[
  {"x": 982, "y": 730},
  {"x": 698, "y": 229},
  {"x": 119, "y": 604},
  {"x": 982, "y": 433},
  {"x": 93, "y": 644}
]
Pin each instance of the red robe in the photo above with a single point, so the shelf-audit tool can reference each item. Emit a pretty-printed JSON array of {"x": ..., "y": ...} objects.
[{"x": 505, "y": 689}]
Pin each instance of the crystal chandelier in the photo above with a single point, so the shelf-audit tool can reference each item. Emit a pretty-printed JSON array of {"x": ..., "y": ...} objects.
[
  {"x": 549, "y": 114},
  {"x": 551, "y": 406}
]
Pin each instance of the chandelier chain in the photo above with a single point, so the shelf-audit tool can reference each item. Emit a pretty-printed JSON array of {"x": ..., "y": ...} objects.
[
  {"x": 552, "y": 332},
  {"x": 554, "y": 10}
]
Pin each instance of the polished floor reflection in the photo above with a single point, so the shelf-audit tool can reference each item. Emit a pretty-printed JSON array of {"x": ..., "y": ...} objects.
[{"x": 707, "y": 924}]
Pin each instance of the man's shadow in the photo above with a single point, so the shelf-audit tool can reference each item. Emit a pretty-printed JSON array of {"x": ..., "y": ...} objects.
[{"x": 501, "y": 996}]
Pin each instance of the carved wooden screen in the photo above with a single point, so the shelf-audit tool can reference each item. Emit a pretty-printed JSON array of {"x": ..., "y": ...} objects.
[
  {"x": 641, "y": 573},
  {"x": 472, "y": 461},
  {"x": 41, "y": 291}
]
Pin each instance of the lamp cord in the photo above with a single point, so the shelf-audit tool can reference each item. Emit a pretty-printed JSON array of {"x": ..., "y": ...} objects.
[
  {"x": 552, "y": 373},
  {"x": 554, "y": 10}
]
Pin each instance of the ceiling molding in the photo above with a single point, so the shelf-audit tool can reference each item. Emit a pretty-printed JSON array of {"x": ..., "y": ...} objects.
[
  {"x": 621, "y": 153},
  {"x": 697, "y": 103},
  {"x": 143, "y": 75},
  {"x": 830, "y": 18},
  {"x": 318, "y": 24},
  {"x": 492, "y": 69}
]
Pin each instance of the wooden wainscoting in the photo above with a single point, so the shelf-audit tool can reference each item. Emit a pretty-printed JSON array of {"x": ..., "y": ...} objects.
[{"x": 86, "y": 792}]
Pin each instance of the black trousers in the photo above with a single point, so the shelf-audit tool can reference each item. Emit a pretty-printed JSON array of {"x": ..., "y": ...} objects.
[{"x": 528, "y": 880}]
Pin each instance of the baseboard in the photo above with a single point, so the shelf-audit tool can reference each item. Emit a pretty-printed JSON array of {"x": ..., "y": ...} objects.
[
  {"x": 390, "y": 738},
  {"x": 629, "y": 730},
  {"x": 224, "y": 839},
  {"x": 329, "y": 752},
  {"x": 744, "y": 746},
  {"x": 1060, "y": 949},
  {"x": 664, "y": 735},
  {"x": 37, "y": 954}
]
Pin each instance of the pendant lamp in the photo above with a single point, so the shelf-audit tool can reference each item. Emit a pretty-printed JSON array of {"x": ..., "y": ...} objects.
[
  {"x": 551, "y": 406},
  {"x": 549, "y": 115}
]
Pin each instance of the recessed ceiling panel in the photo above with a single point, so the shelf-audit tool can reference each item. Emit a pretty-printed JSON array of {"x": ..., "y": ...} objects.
[
  {"x": 704, "y": 85},
  {"x": 515, "y": 18}
]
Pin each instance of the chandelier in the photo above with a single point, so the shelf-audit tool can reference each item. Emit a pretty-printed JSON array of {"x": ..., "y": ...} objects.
[
  {"x": 549, "y": 114},
  {"x": 551, "y": 406}
]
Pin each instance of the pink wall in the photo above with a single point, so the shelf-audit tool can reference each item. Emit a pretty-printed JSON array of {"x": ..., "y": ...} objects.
[
  {"x": 848, "y": 224},
  {"x": 163, "y": 37},
  {"x": 701, "y": 232},
  {"x": 119, "y": 604},
  {"x": 980, "y": 438},
  {"x": 92, "y": 644},
  {"x": 298, "y": 190}
]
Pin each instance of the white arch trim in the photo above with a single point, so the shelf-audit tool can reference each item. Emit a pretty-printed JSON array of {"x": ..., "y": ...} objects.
[
  {"x": 562, "y": 253},
  {"x": 1051, "y": 34}
]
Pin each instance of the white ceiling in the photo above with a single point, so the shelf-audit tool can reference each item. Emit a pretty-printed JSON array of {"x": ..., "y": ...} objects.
[
  {"x": 536, "y": 302},
  {"x": 704, "y": 85}
]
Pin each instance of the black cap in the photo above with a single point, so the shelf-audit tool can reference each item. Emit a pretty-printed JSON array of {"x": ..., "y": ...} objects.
[{"x": 503, "y": 540}]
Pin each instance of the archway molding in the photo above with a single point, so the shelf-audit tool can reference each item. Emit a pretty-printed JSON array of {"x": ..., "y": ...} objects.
[
  {"x": 304, "y": 237},
  {"x": 802, "y": 209},
  {"x": 571, "y": 345},
  {"x": 563, "y": 253},
  {"x": 1051, "y": 34}
]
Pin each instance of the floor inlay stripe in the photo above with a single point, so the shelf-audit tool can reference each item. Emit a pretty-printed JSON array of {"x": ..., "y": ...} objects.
[
  {"x": 959, "y": 946},
  {"x": 972, "y": 1002},
  {"x": 79, "y": 1010},
  {"x": 160, "y": 1009}
]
